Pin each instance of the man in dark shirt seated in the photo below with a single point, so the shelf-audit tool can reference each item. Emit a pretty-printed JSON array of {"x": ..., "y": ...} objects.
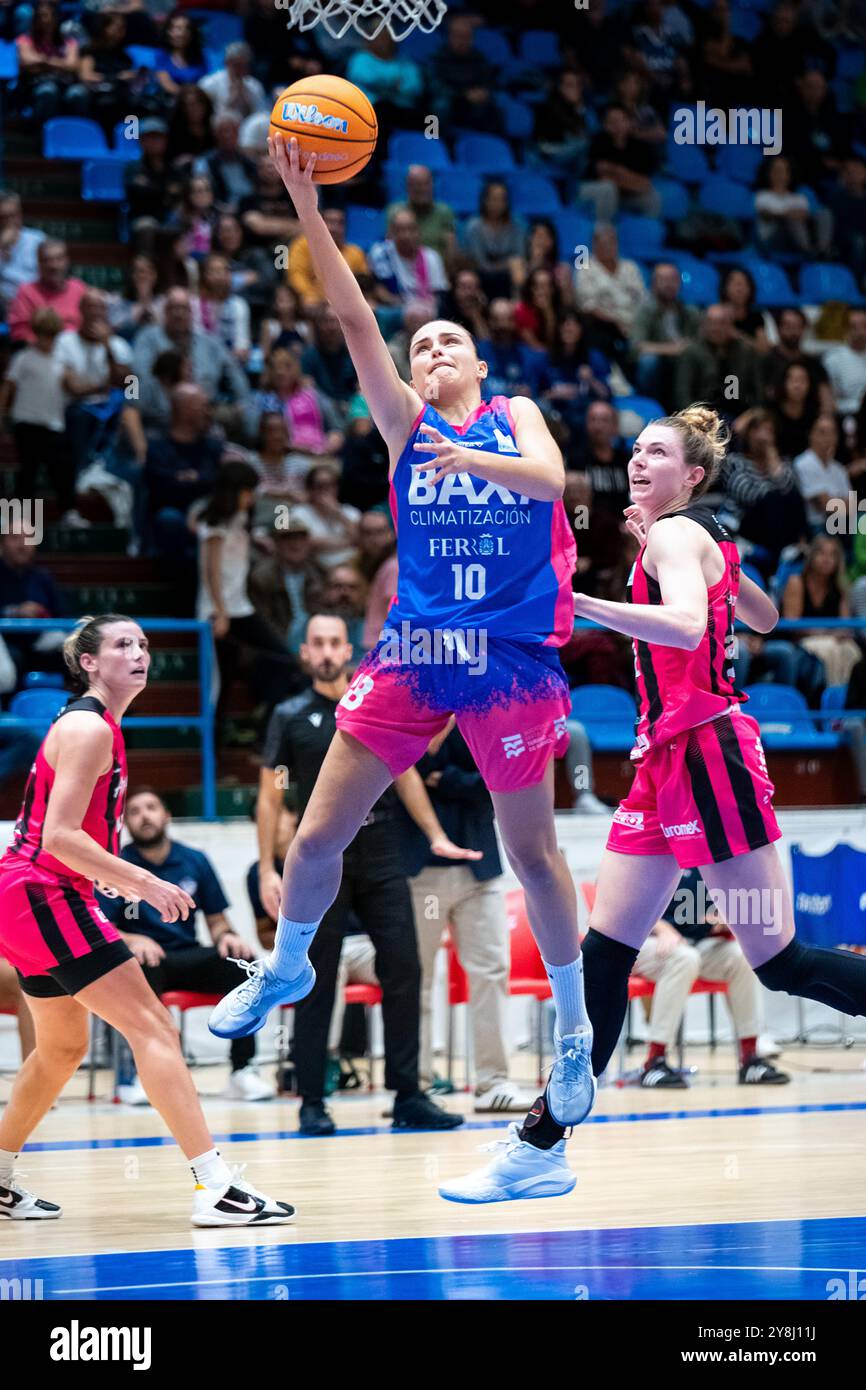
[
  {"x": 326, "y": 359},
  {"x": 691, "y": 941},
  {"x": 602, "y": 456},
  {"x": 512, "y": 367},
  {"x": 28, "y": 591},
  {"x": 169, "y": 952},
  {"x": 619, "y": 167}
]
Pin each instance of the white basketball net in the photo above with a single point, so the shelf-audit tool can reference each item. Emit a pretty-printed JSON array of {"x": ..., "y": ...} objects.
[{"x": 369, "y": 17}]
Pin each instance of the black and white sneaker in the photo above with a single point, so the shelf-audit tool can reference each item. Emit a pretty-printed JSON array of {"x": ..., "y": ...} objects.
[
  {"x": 659, "y": 1073},
  {"x": 238, "y": 1204},
  {"x": 757, "y": 1071},
  {"x": 17, "y": 1204}
]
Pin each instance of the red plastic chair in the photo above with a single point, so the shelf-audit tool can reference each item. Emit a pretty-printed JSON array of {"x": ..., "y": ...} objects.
[
  {"x": 528, "y": 975},
  {"x": 458, "y": 993}
]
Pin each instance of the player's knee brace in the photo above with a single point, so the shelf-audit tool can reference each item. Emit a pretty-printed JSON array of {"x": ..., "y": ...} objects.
[
  {"x": 836, "y": 978},
  {"x": 787, "y": 971}
]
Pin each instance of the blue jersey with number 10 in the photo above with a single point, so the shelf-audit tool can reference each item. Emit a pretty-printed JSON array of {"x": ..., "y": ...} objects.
[{"x": 474, "y": 554}]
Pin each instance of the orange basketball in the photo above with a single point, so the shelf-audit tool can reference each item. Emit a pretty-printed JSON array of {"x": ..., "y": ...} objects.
[{"x": 331, "y": 117}]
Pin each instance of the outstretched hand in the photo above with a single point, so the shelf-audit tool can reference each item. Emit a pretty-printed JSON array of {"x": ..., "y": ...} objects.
[
  {"x": 286, "y": 157},
  {"x": 450, "y": 457},
  {"x": 634, "y": 523}
]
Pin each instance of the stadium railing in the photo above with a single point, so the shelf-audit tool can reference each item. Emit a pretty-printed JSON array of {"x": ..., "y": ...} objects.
[{"x": 203, "y": 721}]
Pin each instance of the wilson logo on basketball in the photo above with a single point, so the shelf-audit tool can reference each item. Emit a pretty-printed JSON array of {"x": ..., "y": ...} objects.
[{"x": 311, "y": 115}]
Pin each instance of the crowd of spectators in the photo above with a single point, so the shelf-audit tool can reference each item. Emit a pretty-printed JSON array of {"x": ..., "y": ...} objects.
[{"x": 216, "y": 389}]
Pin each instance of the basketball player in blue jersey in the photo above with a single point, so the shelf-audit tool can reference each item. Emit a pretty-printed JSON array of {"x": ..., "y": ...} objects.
[{"x": 484, "y": 599}]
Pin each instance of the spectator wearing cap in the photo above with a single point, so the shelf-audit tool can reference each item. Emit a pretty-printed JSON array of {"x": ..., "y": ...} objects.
[
  {"x": 301, "y": 273},
  {"x": 406, "y": 269},
  {"x": 437, "y": 226},
  {"x": 285, "y": 586},
  {"x": 148, "y": 188},
  {"x": 233, "y": 87},
  {"x": 333, "y": 525},
  {"x": 54, "y": 289},
  {"x": 19, "y": 246},
  {"x": 232, "y": 173}
]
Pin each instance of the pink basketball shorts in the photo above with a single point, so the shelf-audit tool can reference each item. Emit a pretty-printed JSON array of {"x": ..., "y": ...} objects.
[
  {"x": 511, "y": 702},
  {"x": 704, "y": 797}
]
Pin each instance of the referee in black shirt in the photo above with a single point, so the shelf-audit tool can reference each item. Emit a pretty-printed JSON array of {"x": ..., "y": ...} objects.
[{"x": 374, "y": 887}]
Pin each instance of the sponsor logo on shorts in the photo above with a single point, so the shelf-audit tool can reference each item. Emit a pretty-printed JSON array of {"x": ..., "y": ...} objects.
[
  {"x": 760, "y": 759},
  {"x": 681, "y": 832},
  {"x": 559, "y": 726},
  {"x": 633, "y": 819},
  {"x": 513, "y": 745}
]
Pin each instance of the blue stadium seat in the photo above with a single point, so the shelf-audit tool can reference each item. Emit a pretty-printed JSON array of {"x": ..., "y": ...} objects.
[
  {"x": 700, "y": 282},
  {"x": 608, "y": 715},
  {"x": 640, "y": 236},
  {"x": 643, "y": 406},
  {"x": 745, "y": 25},
  {"x": 772, "y": 286},
  {"x": 8, "y": 62},
  {"x": 573, "y": 229},
  {"x": 850, "y": 62},
  {"x": 740, "y": 162},
  {"x": 786, "y": 724},
  {"x": 102, "y": 181},
  {"x": 488, "y": 153},
  {"x": 780, "y": 578},
  {"x": 821, "y": 282},
  {"x": 725, "y": 196},
  {"x": 123, "y": 147},
  {"x": 462, "y": 192},
  {"x": 38, "y": 704},
  {"x": 687, "y": 163},
  {"x": 533, "y": 194},
  {"x": 141, "y": 56},
  {"x": 755, "y": 575},
  {"x": 411, "y": 147},
  {"x": 675, "y": 198},
  {"x": 420, "y": 46},
  {"x": 540, "y": 48},
  {"x": 73, "y": 137},
  {"x": 218, "y": 28},
  {"x": 364, "y": 225},
  {"x": 44, "y": 680},
  {"x": 519, "y": 118},
  {"x": 833, "y": 701},
  {"x": 494, "y": 47}
]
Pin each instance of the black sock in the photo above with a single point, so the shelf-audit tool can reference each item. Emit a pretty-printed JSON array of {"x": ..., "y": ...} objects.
[
  {"x": 607, "y": 965},
  {"x": 540, "y": 1128},
  {"x": 837, "y": 978}
]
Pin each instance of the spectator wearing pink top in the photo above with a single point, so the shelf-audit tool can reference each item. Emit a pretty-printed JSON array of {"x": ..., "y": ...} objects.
[
  {"x": 55, "y": 289},
  {"x": 311, "y": 418}
]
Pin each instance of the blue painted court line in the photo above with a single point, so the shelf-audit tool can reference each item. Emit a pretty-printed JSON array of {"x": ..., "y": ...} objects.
[
  {"x": 809, "y": 1259},
  {"x": 361, "y": 1131}
]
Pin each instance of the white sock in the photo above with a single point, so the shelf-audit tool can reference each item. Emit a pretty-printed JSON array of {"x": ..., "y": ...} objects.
[
  {"x": 210, "y": 1170},
  {"x": 566, "y": 981},
  {"x": 8, "y": 1160},
  {"x": 291, "y": 946}
]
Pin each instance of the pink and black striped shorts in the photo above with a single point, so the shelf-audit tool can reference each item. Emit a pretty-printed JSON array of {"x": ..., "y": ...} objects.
[
  {"x": 53, "y": 930},
  {"x": 704, "y": 797}
]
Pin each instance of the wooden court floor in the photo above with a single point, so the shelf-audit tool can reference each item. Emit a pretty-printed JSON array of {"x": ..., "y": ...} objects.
[{"x": 717, "y": 1153}]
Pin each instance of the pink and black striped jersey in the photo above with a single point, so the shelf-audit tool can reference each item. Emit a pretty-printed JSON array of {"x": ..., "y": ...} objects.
[
  {"x": 679, "y": 689},
  {"x": 103, "y": 819}
]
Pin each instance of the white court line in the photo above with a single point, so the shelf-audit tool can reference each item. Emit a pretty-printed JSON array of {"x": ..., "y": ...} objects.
[{"x": 457, "y": 1269}]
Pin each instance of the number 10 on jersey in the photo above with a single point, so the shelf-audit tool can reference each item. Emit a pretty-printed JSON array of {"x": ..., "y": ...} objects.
[{"x": 470, "y": 581}]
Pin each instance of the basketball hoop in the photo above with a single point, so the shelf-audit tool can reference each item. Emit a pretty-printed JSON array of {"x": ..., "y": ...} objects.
[{"x": 370, "y": 17}]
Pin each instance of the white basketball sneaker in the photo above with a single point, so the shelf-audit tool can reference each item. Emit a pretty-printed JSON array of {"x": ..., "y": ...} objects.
[
  {"x": 572, "y": 1087},
  {"x": 518, "y": 1171},
  {"x": 238, "y": 1204},
  {"x": 17, "y": 1204}
]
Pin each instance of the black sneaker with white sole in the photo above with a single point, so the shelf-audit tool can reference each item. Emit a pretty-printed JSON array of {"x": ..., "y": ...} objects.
[
  {"x": 659, "y": 1073},
  {"x": 17, "y": 1204},
  {"x": 757, "y": 1071}
]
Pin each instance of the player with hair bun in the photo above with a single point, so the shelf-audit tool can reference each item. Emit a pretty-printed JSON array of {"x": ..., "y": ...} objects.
[
  {"x": 70, "y": 960},
  {"x": 701, "y": 796}
]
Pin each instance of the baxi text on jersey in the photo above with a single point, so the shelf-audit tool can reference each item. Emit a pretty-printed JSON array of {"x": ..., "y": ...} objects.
[
  {"x": 293, "y": 111},
  {"x": 463, "y": 486}
]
